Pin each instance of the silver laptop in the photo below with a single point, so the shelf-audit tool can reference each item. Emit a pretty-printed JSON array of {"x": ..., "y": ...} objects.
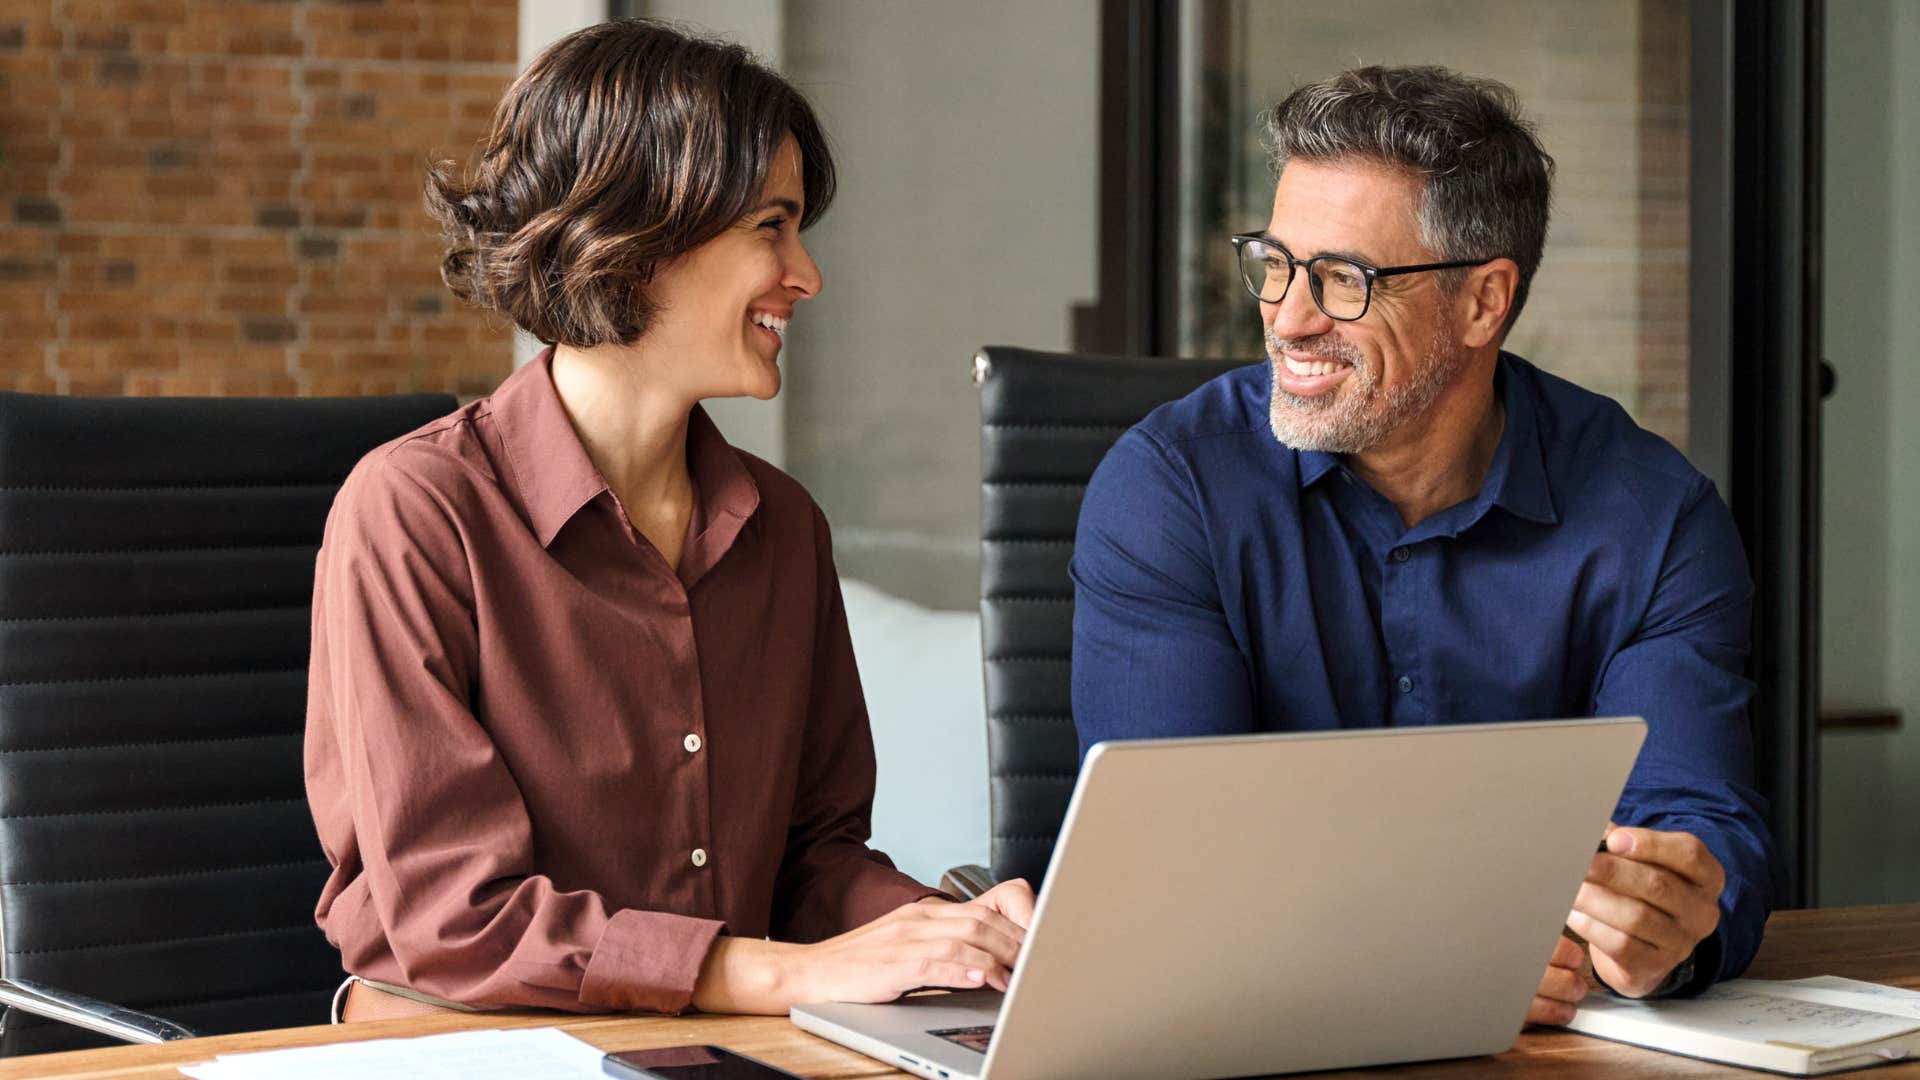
[{"x": 1244, "y": 905}]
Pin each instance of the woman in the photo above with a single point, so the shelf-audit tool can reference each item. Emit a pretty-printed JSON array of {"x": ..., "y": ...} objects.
[{"x": 584, "y": 728}]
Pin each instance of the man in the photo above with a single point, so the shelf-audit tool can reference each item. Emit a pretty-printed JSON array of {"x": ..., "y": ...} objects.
[{"x": 1395, "y": 523}]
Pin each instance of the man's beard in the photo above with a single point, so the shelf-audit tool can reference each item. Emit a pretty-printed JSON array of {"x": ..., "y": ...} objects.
[{"x": 1357, "y": 415}]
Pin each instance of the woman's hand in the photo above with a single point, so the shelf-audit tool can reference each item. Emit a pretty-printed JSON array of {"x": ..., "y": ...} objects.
[{"x": 932, "y": 943}]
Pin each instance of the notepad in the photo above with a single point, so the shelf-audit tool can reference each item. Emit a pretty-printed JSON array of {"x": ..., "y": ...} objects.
[
  {"x": 1802, "y": 1027},
  {"x": 523, "y": 1054}
]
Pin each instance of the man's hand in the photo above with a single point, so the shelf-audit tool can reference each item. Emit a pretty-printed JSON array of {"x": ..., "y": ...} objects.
[
  {"x": 1649, "y": 898},
  {"x": 1562, "y": 987}
]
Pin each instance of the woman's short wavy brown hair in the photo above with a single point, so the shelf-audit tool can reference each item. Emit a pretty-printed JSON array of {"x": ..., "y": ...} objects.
[{"x": 622, "y": 147}]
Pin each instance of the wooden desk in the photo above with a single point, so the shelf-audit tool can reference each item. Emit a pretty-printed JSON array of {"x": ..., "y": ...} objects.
[{"x": 1880, "y": 944}]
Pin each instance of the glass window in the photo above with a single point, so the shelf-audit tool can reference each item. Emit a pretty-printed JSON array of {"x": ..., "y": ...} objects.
[
  {"x": 1607, "y": 84},
  {"x": 967, "y": 140}
]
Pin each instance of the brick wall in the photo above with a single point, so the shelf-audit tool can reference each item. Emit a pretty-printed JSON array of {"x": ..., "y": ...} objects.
[{"x": 223, "y": 196}]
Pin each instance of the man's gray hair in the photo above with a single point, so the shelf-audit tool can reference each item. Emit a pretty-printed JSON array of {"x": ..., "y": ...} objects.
[{"x": 1486, "y": 183}]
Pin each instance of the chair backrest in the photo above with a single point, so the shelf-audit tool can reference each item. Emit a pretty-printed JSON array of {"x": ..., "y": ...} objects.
[
  {"x": 156, "y": 570},
  {"x": 1046, "y": 420}
]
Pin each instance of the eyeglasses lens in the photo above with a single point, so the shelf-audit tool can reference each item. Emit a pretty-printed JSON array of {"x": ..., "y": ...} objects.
[{"x": 1340, "y": 286}]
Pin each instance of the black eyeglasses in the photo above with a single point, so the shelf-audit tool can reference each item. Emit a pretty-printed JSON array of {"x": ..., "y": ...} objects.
[{"x": 1342, "y": 288}]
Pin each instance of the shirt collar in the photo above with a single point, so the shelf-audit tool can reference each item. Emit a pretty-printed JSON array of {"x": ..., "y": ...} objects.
[
  {"x": 554, "y": 477},
  {"x": 1517, "y": 476},
  {"x": 724, "y": 492},
  {"x": 552, "y": 474},
  {"x": 1315, "y": 464}
]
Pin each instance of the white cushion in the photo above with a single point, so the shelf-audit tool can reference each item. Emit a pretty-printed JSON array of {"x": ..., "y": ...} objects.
[{"x": 920, "y": 669}]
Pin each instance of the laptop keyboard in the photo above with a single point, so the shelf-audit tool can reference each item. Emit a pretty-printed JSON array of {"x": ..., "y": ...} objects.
[{"x": 973, "y": 1038}]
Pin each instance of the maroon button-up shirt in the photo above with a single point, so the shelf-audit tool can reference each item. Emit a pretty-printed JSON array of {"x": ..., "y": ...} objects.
[{"x": 547, "y": 768}]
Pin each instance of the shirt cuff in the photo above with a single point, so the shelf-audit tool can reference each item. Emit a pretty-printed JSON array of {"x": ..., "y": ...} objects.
[
  {"x": 648, "y": 961},
  {"x": 882, "y": 893}
]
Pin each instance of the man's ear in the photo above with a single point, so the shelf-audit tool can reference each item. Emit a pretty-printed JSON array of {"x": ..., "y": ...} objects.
[{"x": 1484, "y": 300}]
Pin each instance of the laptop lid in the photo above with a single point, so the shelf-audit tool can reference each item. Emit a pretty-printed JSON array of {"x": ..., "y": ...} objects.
[{"x": 1239, "y": 905}]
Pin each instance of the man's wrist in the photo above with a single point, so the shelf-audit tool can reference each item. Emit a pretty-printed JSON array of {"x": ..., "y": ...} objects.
[{"x": 1678, "y": 979}]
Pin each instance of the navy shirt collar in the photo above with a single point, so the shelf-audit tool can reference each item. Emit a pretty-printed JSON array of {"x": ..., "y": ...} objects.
[{"x": 1517, "y": 477}]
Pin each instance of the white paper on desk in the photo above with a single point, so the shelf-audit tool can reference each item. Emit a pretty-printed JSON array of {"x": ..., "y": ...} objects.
[
  {"x": 1757, "y": 1013},
  {"x": 523, "y": 1054},
  {"x": 1834, "y": 990}
]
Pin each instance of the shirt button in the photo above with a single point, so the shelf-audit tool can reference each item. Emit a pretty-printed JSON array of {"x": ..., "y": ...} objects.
[
  {"x": 699, "y": 856},
  {"x": 692, "y": 743},
  {"x": 1401, "y": 554},
  {"x": 1406, "y": 685}
]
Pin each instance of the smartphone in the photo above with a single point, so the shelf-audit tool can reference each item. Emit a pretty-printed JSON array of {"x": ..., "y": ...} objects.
[{"x": 690, "y": 1063}]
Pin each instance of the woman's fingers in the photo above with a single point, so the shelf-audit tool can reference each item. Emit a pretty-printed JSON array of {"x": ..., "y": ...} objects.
[
  {"x": 975, "y": 925},
  {"x": 957, "y": 965},
  {"x": 1013, "y": 899}
]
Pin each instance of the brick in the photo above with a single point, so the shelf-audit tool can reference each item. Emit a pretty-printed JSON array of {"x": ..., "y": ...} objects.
[
  {"x": 108, "y": 385},
  {"x": 251, "y": 303},
  {"x": 162, "y": 12},
  {"x": 105, "y": 39},
  {"x": 260, "y": 275},
  {"x": 173, "y": 156},
  {"x": 119, "y": 69},
  {"x": 349, "y": 331},
  {"x": 103, "y": 328},
  {"x": 276, "y": 216},
  {"x": 263, "y": 43},
  {"x": 268, "y": 330},
  {"x": 185, "y": 186},
  {"x": 36, "y": 210},
  {"x": 18, "y": 270},
  {"x": 225, "y": 361},
  {"x": 317, "y": 247},
  {"x": 339, "y": 217},
  {"x": 13, "y": 35}
]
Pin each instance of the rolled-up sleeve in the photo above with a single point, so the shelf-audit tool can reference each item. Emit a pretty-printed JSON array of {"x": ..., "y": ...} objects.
[
  {"x": 422, "y": 818},
  {"x": 830, "y": 880}
]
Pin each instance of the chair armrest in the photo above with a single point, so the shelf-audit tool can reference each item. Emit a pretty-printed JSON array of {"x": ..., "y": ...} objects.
[
  {"x": 966, "y": 882},
  {"x": 82, "y": 1011}
]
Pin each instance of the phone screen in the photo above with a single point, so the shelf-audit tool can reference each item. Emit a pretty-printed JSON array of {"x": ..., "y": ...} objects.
[{"x": 690, "y": 1063}]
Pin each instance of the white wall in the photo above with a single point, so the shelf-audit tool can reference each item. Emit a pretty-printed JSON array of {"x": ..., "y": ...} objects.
[{"x": 1870, "y": 573}]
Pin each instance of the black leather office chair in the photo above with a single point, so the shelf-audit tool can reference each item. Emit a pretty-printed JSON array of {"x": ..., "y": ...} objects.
[
  {"x": 1046, "y": 420},
  {"x": 156, "y": 569}
]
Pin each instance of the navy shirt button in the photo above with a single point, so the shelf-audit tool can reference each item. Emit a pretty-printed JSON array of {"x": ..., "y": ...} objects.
[
  {"x": 1406, "y": 685},
  {"x": 1401, "y": 554}
]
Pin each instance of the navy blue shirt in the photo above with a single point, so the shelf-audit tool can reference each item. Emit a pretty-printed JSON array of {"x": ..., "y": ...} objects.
[{"x": 1225, "y": 583}]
